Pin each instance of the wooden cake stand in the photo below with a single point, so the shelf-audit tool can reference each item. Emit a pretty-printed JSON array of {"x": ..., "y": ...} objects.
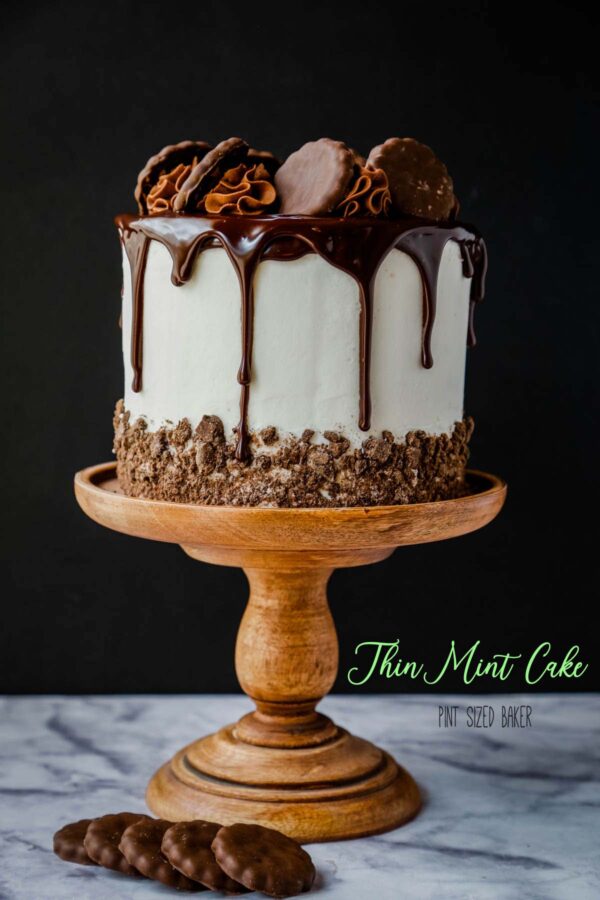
[{"x": 286, "y": 765}]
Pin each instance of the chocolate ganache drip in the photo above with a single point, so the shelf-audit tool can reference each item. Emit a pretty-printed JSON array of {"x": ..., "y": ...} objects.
[
  {"x": 474, "y": 260},
  {"x": 136, "y": 248},
  {"x": 354, "y": 245}
]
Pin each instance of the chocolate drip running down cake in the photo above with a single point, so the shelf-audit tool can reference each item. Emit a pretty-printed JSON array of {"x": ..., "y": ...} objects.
[{"x": 295, "y": 334}]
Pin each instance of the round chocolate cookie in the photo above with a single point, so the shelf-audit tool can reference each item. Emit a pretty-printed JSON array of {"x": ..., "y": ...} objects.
[
  {"x": 314, "y": 180},
  {"x": 419, "y": 182},
  {"x": 165, "y": 161},
  {"x": 68, "y": 843},
  {"x": 264, "y": 860},
  {"x": 103, "y": 837},
  {"x": 187, "y": 846},
  {"x": 208, "y": 172},
  {"x": 140, "y": 845}
]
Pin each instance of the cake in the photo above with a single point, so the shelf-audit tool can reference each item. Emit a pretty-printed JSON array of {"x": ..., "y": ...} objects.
[{"x": 295, "y": 334}]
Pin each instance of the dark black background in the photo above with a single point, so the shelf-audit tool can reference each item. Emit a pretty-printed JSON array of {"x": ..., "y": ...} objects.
[{"x": 90, "y": 90}]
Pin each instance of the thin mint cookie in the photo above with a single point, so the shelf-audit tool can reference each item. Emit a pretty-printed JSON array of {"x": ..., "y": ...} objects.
[
  {"x": 163, "y": 162},
  {"x": 264, "y": 860},
  {"x": 68, "y": 843},
  {"x": 140, "y": 845},
  {"x": 314, "y": 180},
  {"x": 103, "y": 837},
  {"x": 187, "y": 846},
  {"x": 419, "y": 182},
  {"x": 208, "y": 173}
]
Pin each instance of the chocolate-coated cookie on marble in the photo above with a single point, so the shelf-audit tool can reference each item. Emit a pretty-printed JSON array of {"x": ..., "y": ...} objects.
[
  {"x": 264, "y": 860},
  {"x": 140, "y": 845},
  {"x": 208, "y": 172},
  {"x": 68, "y": 843},
  {"x": 103, "y": 837},
  {"x": 419, "y": 182},
  {"x": 187, "y": 846},
  {"x": 165, "y": 161},
  {"x": 314, "y": 179}
]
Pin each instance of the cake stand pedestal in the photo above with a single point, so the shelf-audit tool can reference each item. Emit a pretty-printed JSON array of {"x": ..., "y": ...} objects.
[{"x": 286, "y": 765}]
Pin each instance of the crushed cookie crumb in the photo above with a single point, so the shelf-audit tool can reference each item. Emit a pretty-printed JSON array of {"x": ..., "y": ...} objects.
[{"x": 199, "y": 466}]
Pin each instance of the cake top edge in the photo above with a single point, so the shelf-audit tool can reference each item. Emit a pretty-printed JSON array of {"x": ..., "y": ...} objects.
[{"x": 400, "y": 178}]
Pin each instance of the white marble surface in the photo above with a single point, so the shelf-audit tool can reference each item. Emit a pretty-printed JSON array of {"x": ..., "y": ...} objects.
[{"x": 509, "y": 813}]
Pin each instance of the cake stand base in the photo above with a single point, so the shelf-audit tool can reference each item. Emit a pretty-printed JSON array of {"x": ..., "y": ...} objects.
[{"x": 286, "y": 765}]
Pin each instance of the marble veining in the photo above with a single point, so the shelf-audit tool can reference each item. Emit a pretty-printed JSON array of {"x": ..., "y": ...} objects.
[{"x": 511, "y": 814}]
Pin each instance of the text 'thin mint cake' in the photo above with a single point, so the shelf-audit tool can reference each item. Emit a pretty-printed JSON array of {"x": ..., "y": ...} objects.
[{"x": 295, "y": 334}]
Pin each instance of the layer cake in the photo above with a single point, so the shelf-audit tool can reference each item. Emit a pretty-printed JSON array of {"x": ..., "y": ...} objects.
[{"x": 295, "y": 334}]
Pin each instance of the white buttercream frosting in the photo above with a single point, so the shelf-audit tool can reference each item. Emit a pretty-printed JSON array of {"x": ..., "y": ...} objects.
[{"x": 305, "y": 364}]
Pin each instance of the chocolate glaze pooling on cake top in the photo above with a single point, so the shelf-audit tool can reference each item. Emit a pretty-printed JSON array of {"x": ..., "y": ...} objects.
[{"x": 357, "y": 246}]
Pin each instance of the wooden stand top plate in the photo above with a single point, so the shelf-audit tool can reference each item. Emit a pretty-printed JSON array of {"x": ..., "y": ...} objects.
[{"x": 283, "y": 529}]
